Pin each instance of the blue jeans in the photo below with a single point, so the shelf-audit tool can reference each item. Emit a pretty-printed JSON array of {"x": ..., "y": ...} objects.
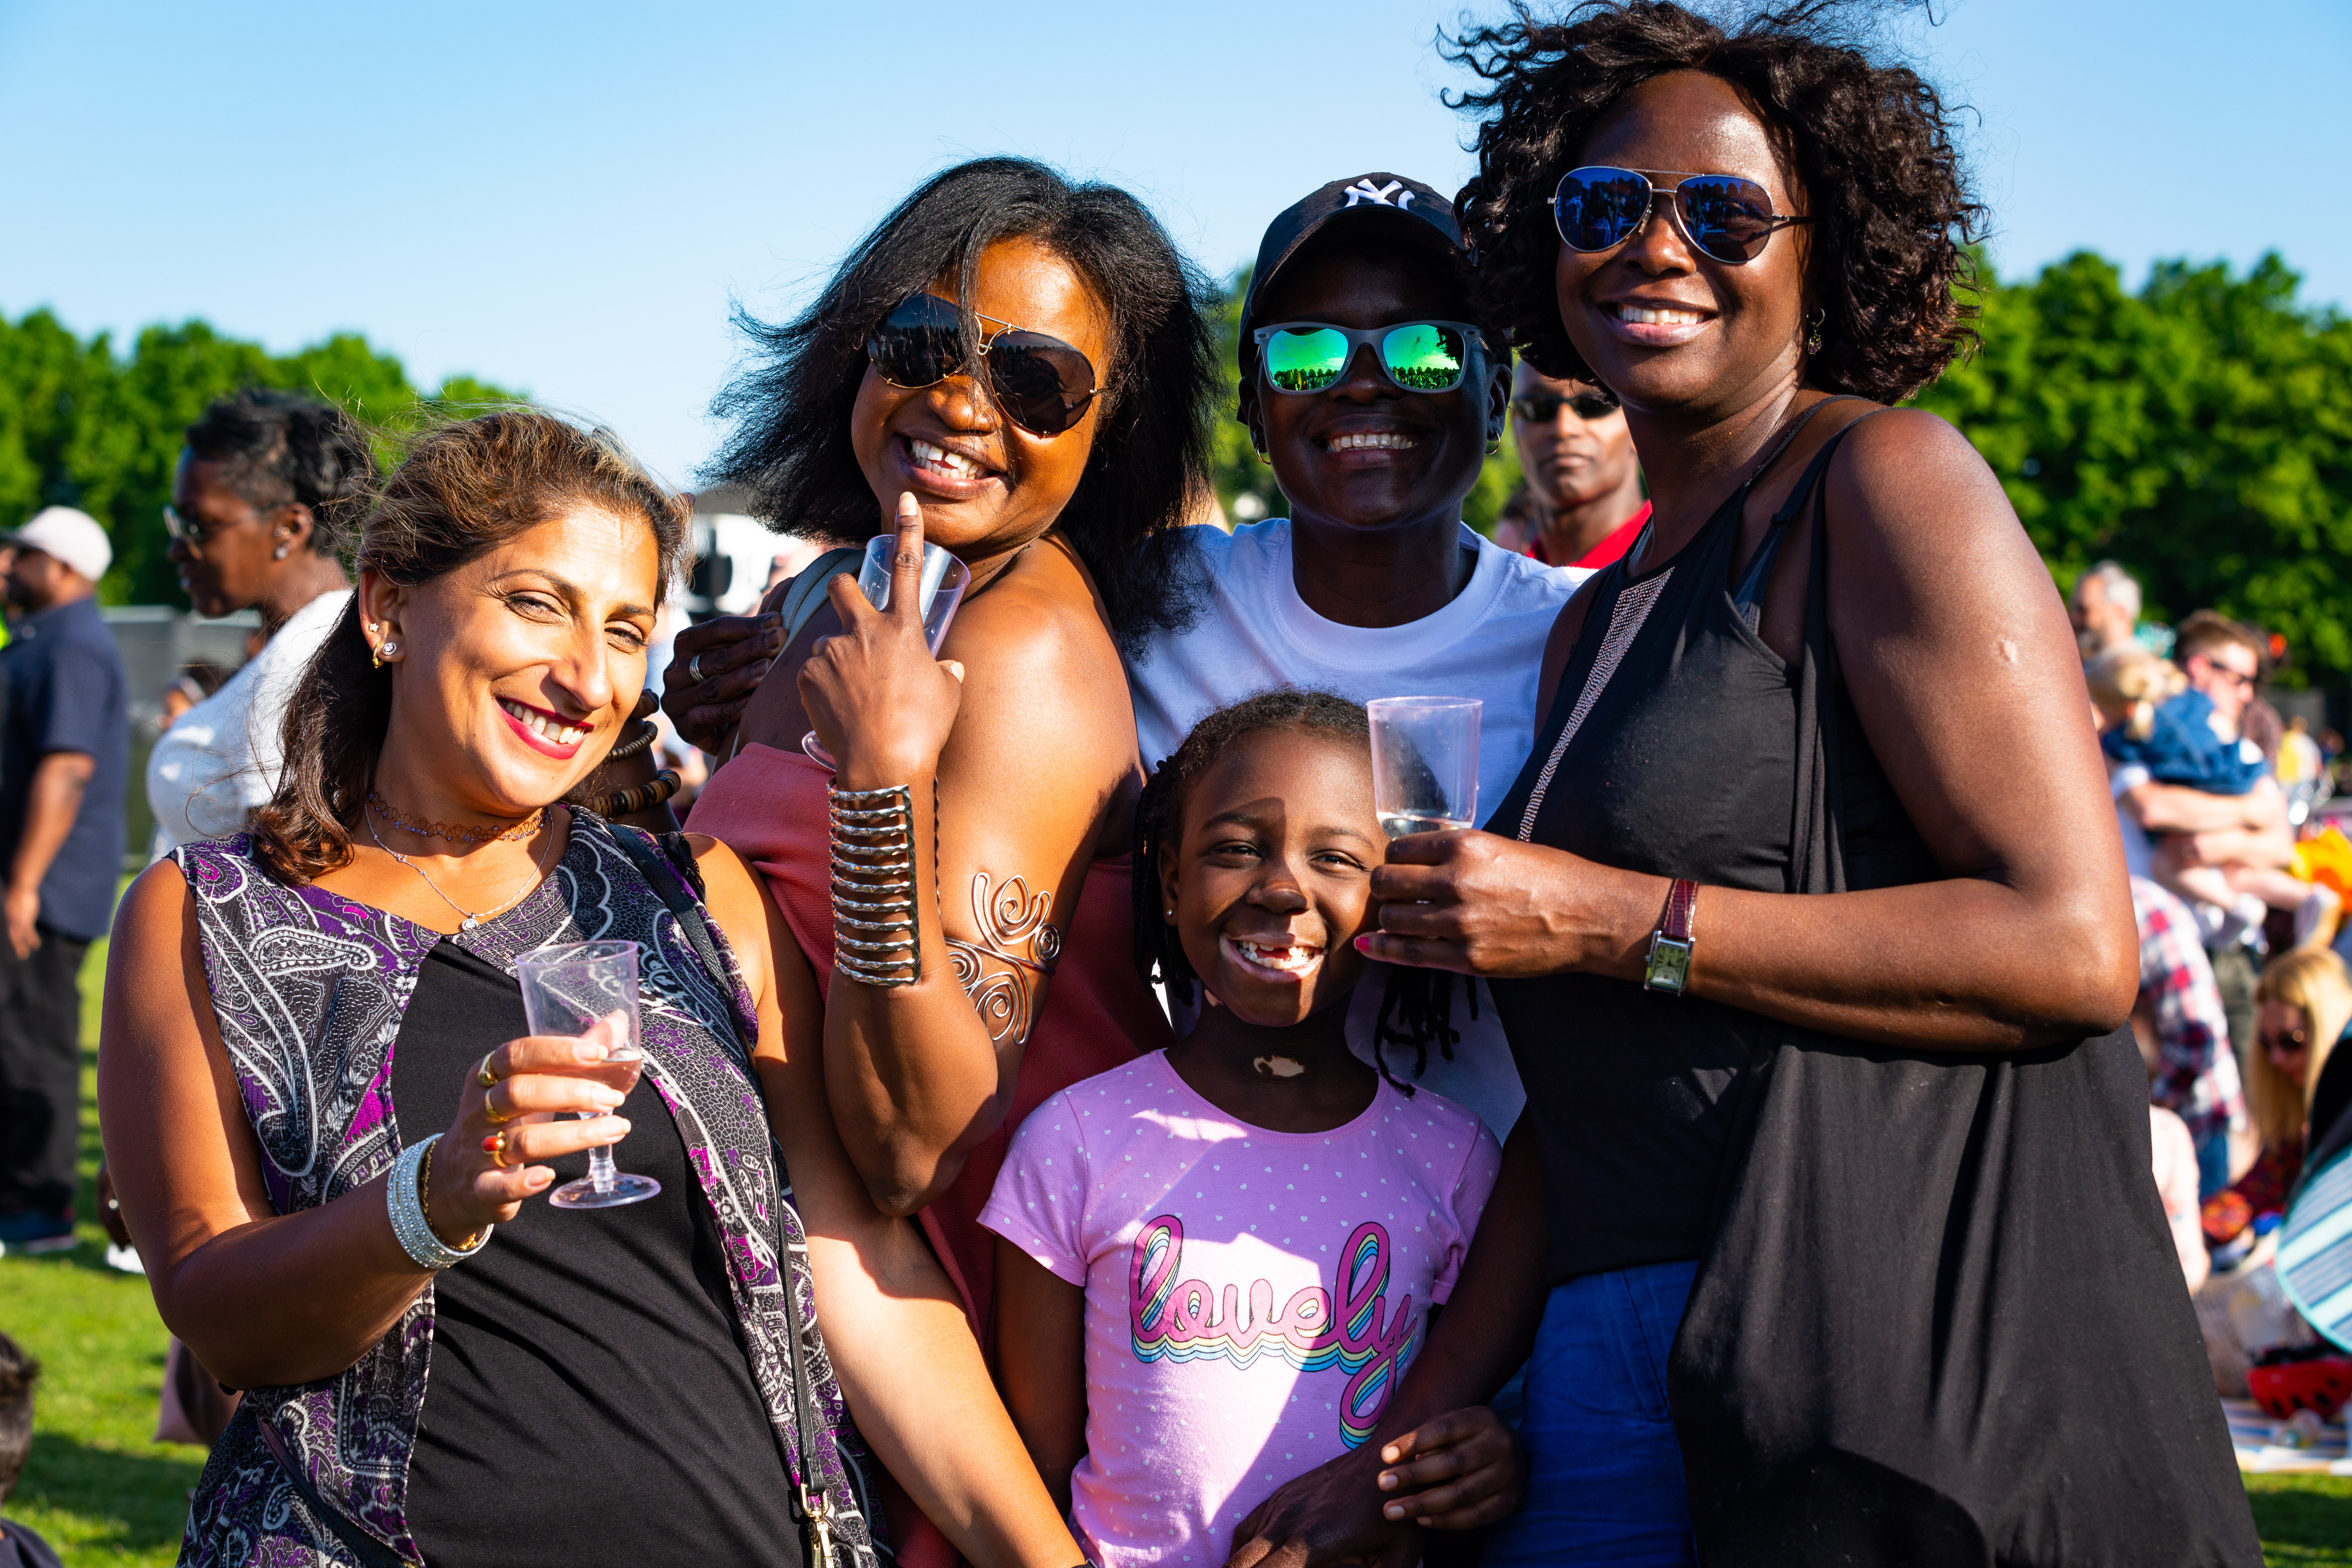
[{"x": 1605, "y": 1473}]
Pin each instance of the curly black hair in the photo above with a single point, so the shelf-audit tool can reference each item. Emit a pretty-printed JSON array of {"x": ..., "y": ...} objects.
[
  {"x": 279, "y": 446},
  {"x": 1871, "y": 145},
  {"x": 1416, "y": 1005},
  {"x": 791, "y": 409}
]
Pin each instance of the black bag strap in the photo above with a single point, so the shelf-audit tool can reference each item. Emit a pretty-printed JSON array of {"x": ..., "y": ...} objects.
[
  {"x": 694, "y": 920},
  {"x": 370, "y": 1551},
  {"x": 806, "y": 592}
]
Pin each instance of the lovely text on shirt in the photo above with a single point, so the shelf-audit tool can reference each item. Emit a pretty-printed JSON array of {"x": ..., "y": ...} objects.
[{"x": 1176, "y": 1322}]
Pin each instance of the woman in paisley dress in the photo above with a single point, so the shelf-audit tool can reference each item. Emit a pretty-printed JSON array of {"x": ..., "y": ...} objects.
[{"x": 438, "y": 1368}]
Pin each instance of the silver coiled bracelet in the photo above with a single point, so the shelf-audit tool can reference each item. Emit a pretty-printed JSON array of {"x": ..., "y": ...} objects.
[
  {"x": 403, "y": 1195},
  {"x": 876, "y": 938}
]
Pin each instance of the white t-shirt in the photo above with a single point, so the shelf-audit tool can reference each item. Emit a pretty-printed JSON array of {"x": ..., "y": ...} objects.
[
  {"x": 1256, "y": 632},
  {"x": 221, "y": 758}
]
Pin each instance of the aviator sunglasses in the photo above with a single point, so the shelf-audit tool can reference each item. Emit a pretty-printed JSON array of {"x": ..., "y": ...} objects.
[
  {"x": 1724, "y": 217},
  {"x": 1042, "y": 383},
  {"x": 1419, "y": 356},
  {"x": 1543, "y": 408}
]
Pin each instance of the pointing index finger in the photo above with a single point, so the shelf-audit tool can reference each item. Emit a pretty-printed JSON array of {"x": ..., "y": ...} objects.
[{"x": 906, "y": 561}]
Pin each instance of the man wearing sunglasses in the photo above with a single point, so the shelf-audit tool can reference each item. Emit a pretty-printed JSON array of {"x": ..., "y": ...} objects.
[{"x": 1584, "y": 483}]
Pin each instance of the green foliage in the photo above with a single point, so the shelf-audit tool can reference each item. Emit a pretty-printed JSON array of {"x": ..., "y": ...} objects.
[
  {"x": 1239, "y": 474},
  {"x": 79, "y": 426},
  {"x": 2199, "y": 431}
]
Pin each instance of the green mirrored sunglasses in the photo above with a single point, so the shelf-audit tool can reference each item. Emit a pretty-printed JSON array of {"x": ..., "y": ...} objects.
[{"x": 1419, "y": 356}]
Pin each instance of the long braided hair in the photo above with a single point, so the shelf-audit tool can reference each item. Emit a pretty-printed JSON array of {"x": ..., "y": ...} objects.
[{"x": 1416, "y": 1005}]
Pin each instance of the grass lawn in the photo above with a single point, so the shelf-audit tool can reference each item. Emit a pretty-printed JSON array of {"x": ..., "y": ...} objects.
[{"x": 103, "y": 1494}]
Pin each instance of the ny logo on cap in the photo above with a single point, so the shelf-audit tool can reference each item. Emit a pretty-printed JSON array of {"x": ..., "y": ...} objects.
[{"x": 1363, "y": 190}]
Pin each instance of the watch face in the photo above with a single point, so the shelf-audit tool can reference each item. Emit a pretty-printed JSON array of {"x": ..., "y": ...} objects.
[{"x": 1669, "y": 966}]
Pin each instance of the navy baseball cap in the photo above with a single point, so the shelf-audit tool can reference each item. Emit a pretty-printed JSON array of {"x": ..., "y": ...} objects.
[{"x": 1407, "y": 210}]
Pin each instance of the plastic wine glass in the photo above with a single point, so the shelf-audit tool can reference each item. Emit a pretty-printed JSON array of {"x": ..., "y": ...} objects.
[
  {"x": 945, "y": 578},
  {"x": 566, "y": 991},
  {"x": 1425, "y": 763}
]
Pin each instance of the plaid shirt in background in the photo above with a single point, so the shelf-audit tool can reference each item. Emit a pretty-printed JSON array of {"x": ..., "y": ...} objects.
[{"x": 2196, "y": 1070}]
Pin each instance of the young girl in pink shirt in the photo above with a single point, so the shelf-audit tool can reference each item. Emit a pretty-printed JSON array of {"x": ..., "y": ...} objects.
[{"x": 1216, "y": 1262}]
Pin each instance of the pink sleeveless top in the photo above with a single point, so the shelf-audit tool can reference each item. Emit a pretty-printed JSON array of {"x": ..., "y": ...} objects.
[{"x": 769, "y": 806}]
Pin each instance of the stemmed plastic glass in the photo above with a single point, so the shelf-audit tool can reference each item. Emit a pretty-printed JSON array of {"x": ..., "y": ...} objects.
[
  {"x": 567, "y": 989},
  {"x": 1425, "y": 763},
  {"x": 945, "y": 578}
]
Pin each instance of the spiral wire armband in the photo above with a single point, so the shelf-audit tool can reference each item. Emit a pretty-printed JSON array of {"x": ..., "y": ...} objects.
[{"x": 876, "y": 938}]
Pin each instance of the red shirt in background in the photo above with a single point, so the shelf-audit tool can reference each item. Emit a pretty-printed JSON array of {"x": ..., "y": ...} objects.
[{"x": 1618, "y": 542}]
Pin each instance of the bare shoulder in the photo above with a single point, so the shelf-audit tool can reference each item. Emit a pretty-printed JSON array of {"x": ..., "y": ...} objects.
[
  {"x": 1040, "y": 667},
  {"x": 737, "y": 901},
  {"x": 154, "y": 908},
  {"x": 1908, "y": 473}
]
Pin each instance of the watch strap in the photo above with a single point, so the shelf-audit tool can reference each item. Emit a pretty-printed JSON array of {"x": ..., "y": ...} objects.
[
  {"x": 1667, "y": 967},
  {"x": 1682, "y": 903}
]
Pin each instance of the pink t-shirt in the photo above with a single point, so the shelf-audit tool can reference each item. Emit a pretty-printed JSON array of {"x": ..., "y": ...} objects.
[{"x": 1252, "y": 1296}]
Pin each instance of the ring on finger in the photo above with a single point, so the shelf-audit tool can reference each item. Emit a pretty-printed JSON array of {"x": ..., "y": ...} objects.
[
  {"x": 694, "y": 671},
  {"x": 483, "y": 1075},
  {"x": 494, "y": 1146},
  {"x": 490, "y": 1110}
]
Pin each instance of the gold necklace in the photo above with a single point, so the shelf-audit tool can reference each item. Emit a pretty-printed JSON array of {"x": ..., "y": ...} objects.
[{"x": 467, "y": 919}]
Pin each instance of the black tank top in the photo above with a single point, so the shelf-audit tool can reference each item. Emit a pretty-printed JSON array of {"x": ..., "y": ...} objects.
[
  {"x": 1683, "y": 766},
  {"x": 591, "y": 1399}
]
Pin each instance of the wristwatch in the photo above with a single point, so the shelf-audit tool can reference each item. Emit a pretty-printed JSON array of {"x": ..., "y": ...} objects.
[{"x": 1668, "y": 969}]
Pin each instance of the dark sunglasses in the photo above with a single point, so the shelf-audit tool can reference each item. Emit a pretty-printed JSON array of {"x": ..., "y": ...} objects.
[
  {"x": 2291, "y": 1042},
  {"x": 1042, "y": 383},
  {"x": 195, "y": 535},
  {"x": 1543, "y": 408},
  {"x": 1724, "y": 217},
  {"x": 1419, "y": 356}
]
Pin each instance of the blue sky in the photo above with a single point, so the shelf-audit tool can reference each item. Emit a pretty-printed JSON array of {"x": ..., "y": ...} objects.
[{"x": 565, "y": 199}]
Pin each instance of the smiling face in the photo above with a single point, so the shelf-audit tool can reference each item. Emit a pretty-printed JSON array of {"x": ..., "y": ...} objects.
[
  {"x": 1364, "y": 451},
  {"x": 515, "y": 672},
  {"x": 1664, "y": 327},
  {"x": 1271, "y": 881},
  {"x": 987, "y": 486}
]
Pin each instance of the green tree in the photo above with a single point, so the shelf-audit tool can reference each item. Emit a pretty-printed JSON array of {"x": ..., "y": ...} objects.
[
  {"x": 80, "y": 426},
  {"x": 2199, "y": 431}
]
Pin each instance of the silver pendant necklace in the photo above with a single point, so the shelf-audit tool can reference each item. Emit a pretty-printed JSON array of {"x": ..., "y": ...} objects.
[{"x": 467, "y": 919}]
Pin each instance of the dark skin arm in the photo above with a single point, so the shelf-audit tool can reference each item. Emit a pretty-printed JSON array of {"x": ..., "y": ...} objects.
[
  {"x": 1338, "y": 1511},
  {"x": 893, "y": 1325},
  {"x": 1956, "y": 650},
  {"x": 1041, "y": 1360},
  {"x": 1028, "y": 696},
  {"x": 50, "y": 807}
]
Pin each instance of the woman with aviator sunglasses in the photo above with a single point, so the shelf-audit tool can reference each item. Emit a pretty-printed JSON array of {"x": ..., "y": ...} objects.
[
  {"x": 1829, "y": 1224},
  {"x": 1012, "y": 367}
]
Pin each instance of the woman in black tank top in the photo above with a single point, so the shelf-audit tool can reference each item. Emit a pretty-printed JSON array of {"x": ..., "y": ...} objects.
[{"x": 1829, "y": 1222}]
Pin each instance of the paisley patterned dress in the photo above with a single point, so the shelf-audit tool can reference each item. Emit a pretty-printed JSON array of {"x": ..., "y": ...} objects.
[{"x": 310, "y": 989}]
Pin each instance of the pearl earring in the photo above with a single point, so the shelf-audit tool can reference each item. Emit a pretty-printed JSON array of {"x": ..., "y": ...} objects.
[{"x": 279, "y": 554}]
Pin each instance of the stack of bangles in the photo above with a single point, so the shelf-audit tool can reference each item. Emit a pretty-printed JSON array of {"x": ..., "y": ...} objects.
[
  {"x": 876, "y": 938},
  {"x": 404, "y": 1194}
]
